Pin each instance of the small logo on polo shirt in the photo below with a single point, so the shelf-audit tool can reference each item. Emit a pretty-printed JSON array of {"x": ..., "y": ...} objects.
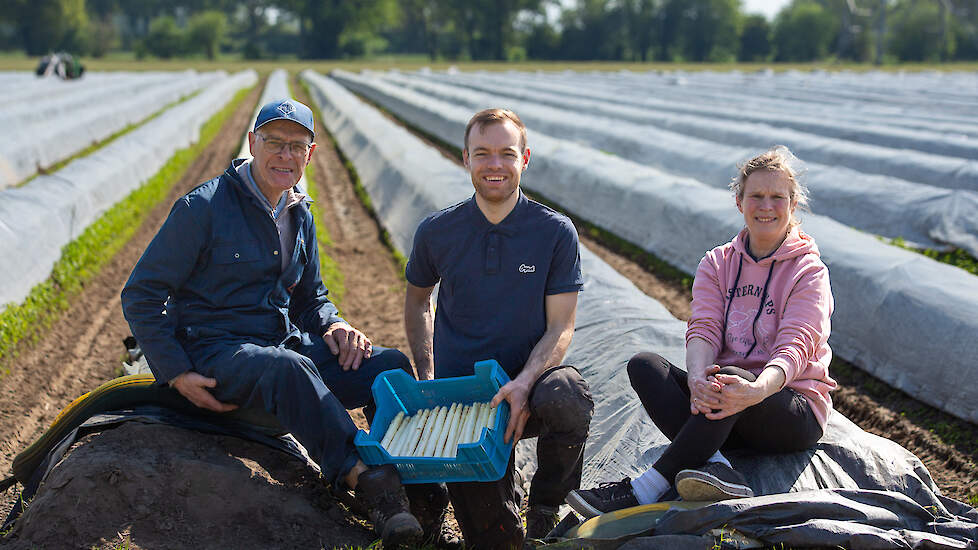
[{"x": 528, "y": 268}]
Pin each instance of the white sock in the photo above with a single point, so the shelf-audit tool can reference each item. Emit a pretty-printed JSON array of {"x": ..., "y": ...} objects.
[
  {"x": 717, "y": 457},
  {"x": 650, "y": 486}
]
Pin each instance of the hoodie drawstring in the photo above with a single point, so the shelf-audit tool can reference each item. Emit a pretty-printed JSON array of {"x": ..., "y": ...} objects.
[
  {"x": 760, "y": 308},
  {"x": 726, "y": 312}
]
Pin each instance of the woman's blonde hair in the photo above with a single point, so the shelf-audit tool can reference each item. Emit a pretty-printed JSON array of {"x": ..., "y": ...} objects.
[{"x": 776, "y": 159}]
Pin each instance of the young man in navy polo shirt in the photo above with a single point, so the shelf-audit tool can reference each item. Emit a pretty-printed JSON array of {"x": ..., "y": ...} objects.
[{"x": 510, "y": 272}]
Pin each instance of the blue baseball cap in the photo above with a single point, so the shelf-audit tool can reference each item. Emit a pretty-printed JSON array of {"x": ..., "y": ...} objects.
[{"x": 286, "y": 109}]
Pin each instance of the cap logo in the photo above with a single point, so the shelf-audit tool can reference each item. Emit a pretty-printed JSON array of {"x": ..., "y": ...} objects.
[{"x": 286, "y": 109}]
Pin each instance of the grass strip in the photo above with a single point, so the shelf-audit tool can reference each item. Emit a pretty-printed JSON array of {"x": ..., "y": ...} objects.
[
  {"x": 82, "y": 259},
  {"x": 102, "y": 143},
  {"x": 358, "y": 188},
  {"x": 328, "y": 268},
  {"x": 956, "y": 256}
]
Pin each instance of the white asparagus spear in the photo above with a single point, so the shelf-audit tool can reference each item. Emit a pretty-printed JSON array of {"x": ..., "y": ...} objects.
[
  {"x": 474, "y": 430},
  {"x": 392, "y": 429},
  {"x": 429, "y": 426},
  {"x": 438, "y": 441},
  {"x": 467, "y": 425},
  {"x": 452, "y": 442},
  {"x": 492, "y": 418},
  {"x": 403, "y": 434},
  {"x": 436, "y": 430},
  {"x": 480, "y": 422},
  {"x": 452, "y": 421},
  {"x": 412, "y": 443},
  {"x": 426, "y": 432}
]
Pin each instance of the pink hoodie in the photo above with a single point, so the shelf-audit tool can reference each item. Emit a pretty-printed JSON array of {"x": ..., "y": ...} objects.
[{"x": 793, "y": 329}]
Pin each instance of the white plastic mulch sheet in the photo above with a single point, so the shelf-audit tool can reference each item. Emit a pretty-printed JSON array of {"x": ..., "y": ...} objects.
[
  {"x": 892, "y": 207},
  {"x": 407, "y": 180},
  {"x": 63, "y": 117},
  {"x": 38, "y": 219},
  {"x": 954, "y": 165},
  {"x": 905, "y": 318},
  {"x": 882, "y": 122}
]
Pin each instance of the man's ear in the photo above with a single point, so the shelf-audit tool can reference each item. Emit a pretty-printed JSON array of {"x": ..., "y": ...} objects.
[
  {"x": 526, "y": 158},
  {"x": 251, "y": 143},
  {"x": 312, "y": 147},
  {"x": 465, "y": 158}
]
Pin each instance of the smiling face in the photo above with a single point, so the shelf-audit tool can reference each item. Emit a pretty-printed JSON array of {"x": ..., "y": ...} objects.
[
  {"x": 768, "y": 209},
  {"x": 277, "y": 172},
  {"x": 496, "y": 160}
]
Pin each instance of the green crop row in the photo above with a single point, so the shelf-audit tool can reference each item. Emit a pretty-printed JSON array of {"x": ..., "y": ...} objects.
[
  {"x": 329, "y": 269},
  {"x": 956, "y": 256},
  {"x": 82, "y": 259}
]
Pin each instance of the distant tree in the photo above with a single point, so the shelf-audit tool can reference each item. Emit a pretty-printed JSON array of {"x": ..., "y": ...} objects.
[
  {"x": 542, "y": 41},
  {"x": 710, "y": 30},
  {"x": 103, "y": 37},
  {"x": 755, "y": 39},
  {"x": 206, "y": 30},
  {"x": 964, "y": 26},
  {"x": 164, "y": 39},
  {"x": 330, "y": 29},
  {"x": 669, "y": 20},
  {"x": 593, "y": 30},
  {"x": 804, "y": 31},
  {"x": 640, "y": 20},
  {"x": 48, "y": 25},
  {"x": 916, "y": 32}
]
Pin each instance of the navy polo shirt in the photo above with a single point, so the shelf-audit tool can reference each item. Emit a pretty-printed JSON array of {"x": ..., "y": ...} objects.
[{"x": 494, "y": 279}]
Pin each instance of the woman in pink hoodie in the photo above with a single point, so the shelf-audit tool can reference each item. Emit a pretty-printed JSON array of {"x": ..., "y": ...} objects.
[{"x": 757, "y": 355}]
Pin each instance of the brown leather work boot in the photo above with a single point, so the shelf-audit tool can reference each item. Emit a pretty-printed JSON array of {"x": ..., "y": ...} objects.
[{"x": 380, "y": 490}]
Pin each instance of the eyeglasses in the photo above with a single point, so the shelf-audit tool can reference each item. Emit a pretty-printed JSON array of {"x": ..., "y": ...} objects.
[{"x": 275, "y": 146}]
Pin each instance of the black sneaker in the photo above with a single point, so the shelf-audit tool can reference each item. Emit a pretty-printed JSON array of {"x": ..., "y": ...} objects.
[
  {"x": 540, "y": 521},
  {"x": 711, "y": 482},
  {"x": 606, "y": 497},
  {"x": 380, "y": 490}
]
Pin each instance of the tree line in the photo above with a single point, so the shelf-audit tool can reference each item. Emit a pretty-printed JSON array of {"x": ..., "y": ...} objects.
[{"x": 877, "y": 31}]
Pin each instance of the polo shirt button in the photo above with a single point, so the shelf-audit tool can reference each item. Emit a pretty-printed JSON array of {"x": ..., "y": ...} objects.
[
  {"x": 236, "y": 255},
  {"x": 276, "y": 252}
]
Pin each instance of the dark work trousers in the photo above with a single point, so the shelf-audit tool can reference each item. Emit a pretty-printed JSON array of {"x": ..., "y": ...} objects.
[
  {"x": 303, "y": 386},
  {"x": 782, "y": 423},
  {"x": 560, "y": 415}
]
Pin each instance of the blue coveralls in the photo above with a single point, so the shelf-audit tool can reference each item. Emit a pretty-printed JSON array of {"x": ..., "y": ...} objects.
[{"x": 209, "y": 294}]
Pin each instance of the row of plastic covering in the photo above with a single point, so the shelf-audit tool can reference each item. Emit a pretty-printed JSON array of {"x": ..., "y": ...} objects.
[
  {"x": 883, "y": 205},
  {"x": 406, "y": 180},
  {"x": 810, "y": 116},
  {"x": 932, "y": 168},
  {"x": 931, "y": 95},
  {"x": 884, "y": 295},
  {"x": 38, "y": 219},
  {"x": 52, "y": 128}
]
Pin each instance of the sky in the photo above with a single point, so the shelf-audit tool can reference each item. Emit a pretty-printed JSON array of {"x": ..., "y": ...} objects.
[{"x": 768, "y": 8}]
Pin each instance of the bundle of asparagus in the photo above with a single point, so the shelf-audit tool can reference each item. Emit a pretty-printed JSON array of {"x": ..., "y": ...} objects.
[{"x": 437, "y": 432}]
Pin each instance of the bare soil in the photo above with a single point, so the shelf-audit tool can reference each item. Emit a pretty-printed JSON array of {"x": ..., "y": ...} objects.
[{"x": 179, "y": 489}]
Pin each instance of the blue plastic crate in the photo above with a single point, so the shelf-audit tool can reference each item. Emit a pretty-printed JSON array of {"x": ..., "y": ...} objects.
[{"x": 396, "y": 391}]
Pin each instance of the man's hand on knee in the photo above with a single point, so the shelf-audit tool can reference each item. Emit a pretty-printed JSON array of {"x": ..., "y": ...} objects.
[
  {"x": 194, "y": 386},
  {"x": 349, "y": 345}
]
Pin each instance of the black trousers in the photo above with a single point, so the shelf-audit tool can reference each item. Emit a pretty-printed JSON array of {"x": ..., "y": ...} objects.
[
  {"x": 783, "y": 422},
  {"x": 560, "y": 415}
]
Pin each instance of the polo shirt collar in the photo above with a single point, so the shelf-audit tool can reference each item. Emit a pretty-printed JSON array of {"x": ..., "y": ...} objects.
[{"x": 508, "y": 224}]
